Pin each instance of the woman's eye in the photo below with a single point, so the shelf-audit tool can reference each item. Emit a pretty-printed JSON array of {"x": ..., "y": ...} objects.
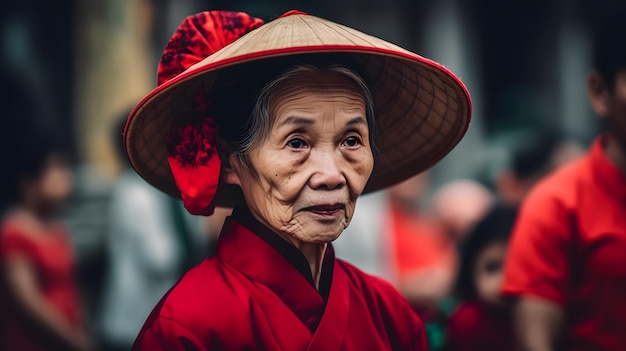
[
  {"x": 296, "y": 143},
  {"x": 351, "y": 141},
  {"x": 494, "y": 266}
]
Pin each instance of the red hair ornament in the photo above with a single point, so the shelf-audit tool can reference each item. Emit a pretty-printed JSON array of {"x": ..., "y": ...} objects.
[{"x": 191, "y": 143}]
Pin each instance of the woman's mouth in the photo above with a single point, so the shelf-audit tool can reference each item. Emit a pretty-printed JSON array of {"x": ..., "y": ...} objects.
[{"x": 326, "y": 210}]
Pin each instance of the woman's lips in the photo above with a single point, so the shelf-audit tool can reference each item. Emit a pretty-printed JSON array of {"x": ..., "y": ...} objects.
[{"x": 326, "y": 210}]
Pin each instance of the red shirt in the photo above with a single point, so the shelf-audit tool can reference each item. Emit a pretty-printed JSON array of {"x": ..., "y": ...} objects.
[
  {"x": 251, "y": 296},
  {"x": 419, "y": 244},
  {"x": 569, "y": 246},
  {"x": 475, "y": 327},
  {"x": 51, "y": 255}
]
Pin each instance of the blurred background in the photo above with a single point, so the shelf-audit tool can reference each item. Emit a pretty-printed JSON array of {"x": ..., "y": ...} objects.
[{"x": 524, "y": 63}]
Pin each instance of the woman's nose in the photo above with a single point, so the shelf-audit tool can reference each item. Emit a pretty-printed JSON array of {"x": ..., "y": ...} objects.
[{"x": 328, "y": 173}]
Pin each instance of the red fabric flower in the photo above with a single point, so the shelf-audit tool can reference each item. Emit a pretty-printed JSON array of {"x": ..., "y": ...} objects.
[
  {"x": 191, "y": 143},
  {"x": 195, "y": 164},
  {"x": 201, "y": 35}
]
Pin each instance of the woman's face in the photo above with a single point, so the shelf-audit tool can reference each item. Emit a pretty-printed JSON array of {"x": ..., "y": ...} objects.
[
  {"x": 304, "y": 179},
  {"x": 53, "y": 186},
  {"x": 488, "y": 272}
]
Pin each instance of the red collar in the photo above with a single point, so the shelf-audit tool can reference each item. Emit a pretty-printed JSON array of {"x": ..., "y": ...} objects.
[
  {"x": 272, "y": 264},
  {"x": 605, "y": 172}
]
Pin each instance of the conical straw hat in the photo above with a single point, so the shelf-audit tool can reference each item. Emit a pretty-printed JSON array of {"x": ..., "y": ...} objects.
[{"x": 422, "y": 110}]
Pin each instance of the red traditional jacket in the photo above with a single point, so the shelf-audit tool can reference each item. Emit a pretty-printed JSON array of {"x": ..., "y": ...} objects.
[{"x": 257, "y": 294}]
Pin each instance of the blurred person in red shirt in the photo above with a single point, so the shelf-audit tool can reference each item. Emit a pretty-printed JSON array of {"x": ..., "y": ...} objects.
[
  {"x": 425, "y": 256},
  {"x": 39, "y": 295},
  {"x": 566, "y": 268}
]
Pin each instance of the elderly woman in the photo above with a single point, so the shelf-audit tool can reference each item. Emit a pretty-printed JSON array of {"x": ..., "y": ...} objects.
[{"x": 288, "y": 122}]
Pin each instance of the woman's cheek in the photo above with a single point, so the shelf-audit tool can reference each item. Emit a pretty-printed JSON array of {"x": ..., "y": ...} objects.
[{"x": 364, "y": 169}]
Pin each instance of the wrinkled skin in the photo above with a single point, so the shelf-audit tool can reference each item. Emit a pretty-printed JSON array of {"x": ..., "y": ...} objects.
[{"x": 304, "y": 179}]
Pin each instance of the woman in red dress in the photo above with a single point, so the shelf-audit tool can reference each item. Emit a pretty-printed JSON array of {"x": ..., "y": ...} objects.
[
  {"x": 39, "y": 300},
  {"x": 289, "y": 122},
  {"x": 39, "y": 295}
]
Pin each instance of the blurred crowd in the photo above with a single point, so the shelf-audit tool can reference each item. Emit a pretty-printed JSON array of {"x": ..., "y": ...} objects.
[
  {"x": 445, "y": 249},
  {"x": 85, "y": 257}
]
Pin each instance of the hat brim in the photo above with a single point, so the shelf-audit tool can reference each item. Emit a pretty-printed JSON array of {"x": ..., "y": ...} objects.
[{"x": 422, "y": 110}]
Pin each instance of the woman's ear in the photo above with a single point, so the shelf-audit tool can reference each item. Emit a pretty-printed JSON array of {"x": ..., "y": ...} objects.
[
  {"x": 230, "y": 161},
  {"x": 230, "y": 169},
  {"x": 599, "y": 95}
]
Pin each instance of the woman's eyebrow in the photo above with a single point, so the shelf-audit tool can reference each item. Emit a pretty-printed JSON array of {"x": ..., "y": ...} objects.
[
  {"x": 297, "y": 120},
  {"x": 357, "y": 120},
  {"x": 310, "y": 121}
]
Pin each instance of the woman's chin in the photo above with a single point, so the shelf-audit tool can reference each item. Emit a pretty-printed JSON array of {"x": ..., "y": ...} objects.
[
  {"x": 319, "y": 234},
  {"x": 327, "y": 238}
]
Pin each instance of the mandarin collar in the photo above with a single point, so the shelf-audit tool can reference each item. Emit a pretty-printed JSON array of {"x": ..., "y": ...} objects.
[
  {"x": 608, "y": 176},
  {"x": 257, "y": 252}
]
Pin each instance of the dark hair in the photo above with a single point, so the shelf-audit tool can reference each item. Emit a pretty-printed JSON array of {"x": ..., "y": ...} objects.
[
  {"x": 609, "y": 35},
  {"x": 495, "y": 227},
  {"x": 28, "y": 157},
  {"x": 27, "y": 140},
  {"x": 532, "y": 156}
]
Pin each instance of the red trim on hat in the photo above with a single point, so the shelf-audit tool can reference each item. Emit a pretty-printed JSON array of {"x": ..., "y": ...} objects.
[{"x": 293, "y": 12}]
